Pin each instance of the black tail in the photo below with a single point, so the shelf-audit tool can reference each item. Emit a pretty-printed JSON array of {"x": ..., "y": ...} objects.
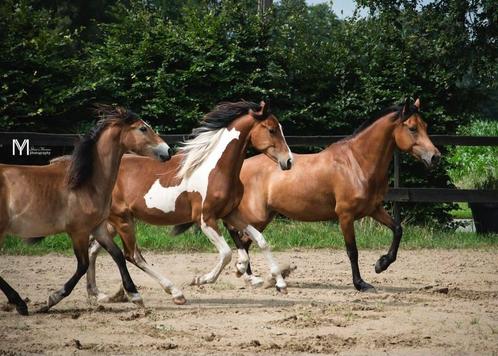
[
  {"x": 181, "y": 228},
  {"x": 34, "y": 240}
]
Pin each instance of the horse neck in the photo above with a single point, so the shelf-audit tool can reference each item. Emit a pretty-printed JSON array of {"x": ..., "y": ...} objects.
[
  {"x": 106, "y": 159},
  {"x": 373, "y": 147},
  {"x": 236, "y": 153}
]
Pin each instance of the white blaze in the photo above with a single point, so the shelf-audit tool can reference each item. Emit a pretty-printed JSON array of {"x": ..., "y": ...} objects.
[
  {"x": 164, "y": 198},
  {"x": 288, "y": 148}
]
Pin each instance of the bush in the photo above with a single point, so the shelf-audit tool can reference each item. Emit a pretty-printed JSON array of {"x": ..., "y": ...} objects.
[
  {"x": 475, "y": 167},
  {"x": 38, "y": 61}
]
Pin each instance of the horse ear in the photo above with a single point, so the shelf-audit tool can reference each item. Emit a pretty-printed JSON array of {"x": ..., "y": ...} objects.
[
  {"x": 406, "y": 109},
  {"x": 121, "y": 111},
  {"x": 264, "y": 108},
  {"x": 261, "y": 113},
  {"x": 417, "y": 103}
]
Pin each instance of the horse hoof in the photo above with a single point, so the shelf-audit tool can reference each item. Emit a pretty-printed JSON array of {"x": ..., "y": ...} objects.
[
  {"x": 119, "y": 297},
  {"x": 136, "y": 299},
  {"x": 179, "y": 300},
  {"x": 22, "y": 309},
  {"x": 382, "y": 264},
  {"x": 256, "y": 282},
  {"x": 44, "y": 309},
  {"x": 281, "y": 290},
  {"x": 368, "y": 289},
  {"x": 102, "y": 298}
]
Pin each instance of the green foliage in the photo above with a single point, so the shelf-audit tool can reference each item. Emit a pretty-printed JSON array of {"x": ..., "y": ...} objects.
[
  {"x": 475, "y": 167},
  {"x": 172, "y": 60},
  {"x": 38, "y": 60}
]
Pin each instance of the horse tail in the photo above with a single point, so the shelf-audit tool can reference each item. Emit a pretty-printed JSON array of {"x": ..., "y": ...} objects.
[
  {"x": 34, "y": 240},
  {"x": 181, "y": 228}
]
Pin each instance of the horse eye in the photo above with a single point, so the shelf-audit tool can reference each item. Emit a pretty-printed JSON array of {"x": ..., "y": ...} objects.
[
  {"x": 143, "y": 129},
  {"x": 272, "y": 130},
  {"x": 413, "y": 129}
]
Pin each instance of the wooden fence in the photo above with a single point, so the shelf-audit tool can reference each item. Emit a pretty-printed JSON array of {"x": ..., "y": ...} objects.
[{"x": 396, "y": 193}]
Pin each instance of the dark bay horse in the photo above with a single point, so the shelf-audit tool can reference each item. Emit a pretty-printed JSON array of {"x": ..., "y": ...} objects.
[
  {"x": 199, "y": 185},
  {"x": 74, "y": 195},
  {"x": 346, "y": 181}
]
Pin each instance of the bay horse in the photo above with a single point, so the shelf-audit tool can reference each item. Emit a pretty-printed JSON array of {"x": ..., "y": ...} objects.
[
  {"x": 346, "y": 181},
  {"x": 199, "y": 185},
  {"x": 74, "y": 195}
]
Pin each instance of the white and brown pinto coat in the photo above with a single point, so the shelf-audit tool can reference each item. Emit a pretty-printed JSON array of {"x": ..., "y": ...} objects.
[{"x": 199, "y": 186}]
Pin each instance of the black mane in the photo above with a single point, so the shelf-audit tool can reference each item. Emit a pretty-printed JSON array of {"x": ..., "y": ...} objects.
[
  {"x": 394, "y": 108},
  {"x": 81, "y": 167},
  {"x": 226, "y": 112}
]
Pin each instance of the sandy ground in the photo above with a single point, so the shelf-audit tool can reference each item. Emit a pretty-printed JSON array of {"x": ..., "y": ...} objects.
[{"x": 428, "y": 302}]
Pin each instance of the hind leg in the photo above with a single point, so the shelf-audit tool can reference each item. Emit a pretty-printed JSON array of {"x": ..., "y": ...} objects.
[
  {"x": 125, "y": 227},
  {"x": 93, "y": 292},
  {"x": 13, "y": 297},
  {"x": 80, "y": 247},
  {"x": 243, "y": 264},
  {"x": 103, "y": 237},
  {"x": 238, "y": 222}
]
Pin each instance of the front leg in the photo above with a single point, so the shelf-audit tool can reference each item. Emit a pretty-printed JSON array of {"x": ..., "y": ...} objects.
[
  {"x": 210, "y": 229},
  {"x": 382, "y": 216},
  {"x": 80, "y": 246},
  {"x": 346, "y": 222}
]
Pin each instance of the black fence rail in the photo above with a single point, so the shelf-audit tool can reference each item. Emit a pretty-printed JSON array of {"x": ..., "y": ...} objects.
[
  {"x": 67, "y": 140},
  {"x": 395, "y": 194}
]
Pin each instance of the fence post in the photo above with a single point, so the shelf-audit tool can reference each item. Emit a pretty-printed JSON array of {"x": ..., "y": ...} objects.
[{"x": 396, "y": 208}]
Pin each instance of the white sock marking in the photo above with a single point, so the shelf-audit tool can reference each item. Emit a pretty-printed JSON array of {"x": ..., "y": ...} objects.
[
  {"x": 257, "y": 237},
  {"x": 242, "y": 261},
  {"x": 223, "y": 249}
]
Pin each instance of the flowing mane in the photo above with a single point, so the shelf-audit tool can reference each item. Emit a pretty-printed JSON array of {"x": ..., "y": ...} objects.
[
  {"x": 197, "y": 149},
  {"x": 394, "y": 108},
  {"x": 81, "y": 166}
]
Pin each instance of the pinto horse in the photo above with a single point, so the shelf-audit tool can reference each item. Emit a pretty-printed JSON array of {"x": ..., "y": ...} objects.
[
  {"x": 74, "y": 195},
  {"x": 198, "y": 186},
  {"x": 346, "y": 181}
]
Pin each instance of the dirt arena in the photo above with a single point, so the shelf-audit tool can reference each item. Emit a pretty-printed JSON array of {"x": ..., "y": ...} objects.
[{"x": 428, "y": 302}]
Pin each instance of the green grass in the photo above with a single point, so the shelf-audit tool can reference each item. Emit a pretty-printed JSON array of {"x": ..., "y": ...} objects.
[
  {"x": 462, "y": 212},
  {"x": 281, "y": 234}
]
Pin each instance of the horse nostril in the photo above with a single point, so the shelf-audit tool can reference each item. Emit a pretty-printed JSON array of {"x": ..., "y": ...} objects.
[
  {"x": 435, "y": 159},
  {"x": 170, "y": 151},
  {"x": 289, "y": 163}
]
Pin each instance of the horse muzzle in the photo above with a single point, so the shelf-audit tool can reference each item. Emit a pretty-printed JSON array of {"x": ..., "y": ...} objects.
[
  {"x": 162, "y": 152},
  {"x": 285, "y": 165},
  {"x": 431, "y": 160}
]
